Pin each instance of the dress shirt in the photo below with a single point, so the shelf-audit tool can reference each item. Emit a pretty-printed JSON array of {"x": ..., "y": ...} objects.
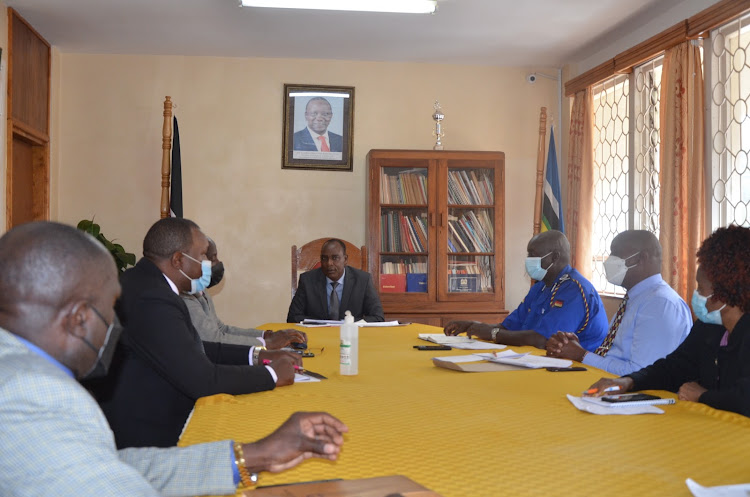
[
  {"x": 339, "y": 289},
  {"x": 249, "y": 354},
  {"x": 566, "y": 311},
  {"x": 656, "y": 320},
  {"x": 318, "y": 142}
]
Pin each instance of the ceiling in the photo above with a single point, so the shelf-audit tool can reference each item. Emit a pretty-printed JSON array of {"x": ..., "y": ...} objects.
[{"x": 547, "y": 33}]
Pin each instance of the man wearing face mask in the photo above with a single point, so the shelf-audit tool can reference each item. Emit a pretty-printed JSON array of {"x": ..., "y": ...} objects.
[
  {"x": 652, "y": 319},
  {"x": 712, "y": 365},
  {"x": 561, "y": 300},
  {"x": 162, "y": 366},
  {"x": 212, "y": 329},
  {"x": 57, "y": 289}
]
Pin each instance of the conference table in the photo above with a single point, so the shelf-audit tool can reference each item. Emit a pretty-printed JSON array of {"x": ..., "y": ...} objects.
[{"x": 466, "y": 434}]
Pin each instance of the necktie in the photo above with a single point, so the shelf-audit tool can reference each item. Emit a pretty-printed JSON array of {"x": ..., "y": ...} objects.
[
  {"x": 607, "y": 343},
  {"x": 323, "y": 144},
  {"x": 333, "y": 302}
]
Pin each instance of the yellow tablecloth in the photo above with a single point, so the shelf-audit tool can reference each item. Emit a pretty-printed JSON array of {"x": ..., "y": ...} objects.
[{"x": 481, "y": 434}]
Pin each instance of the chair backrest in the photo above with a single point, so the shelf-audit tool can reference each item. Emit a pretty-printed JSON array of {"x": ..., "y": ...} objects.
[{"x": 307, "y": 257}]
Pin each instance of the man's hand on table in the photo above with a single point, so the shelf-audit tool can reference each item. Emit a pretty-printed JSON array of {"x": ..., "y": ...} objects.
[
  {"x": 283, "y": 363},
  {"x": 471, "y": 328},
  {"x": 282, "y": 338},
  {"x": 302, "y": 436},
  {"x": 566, "y": 346}
]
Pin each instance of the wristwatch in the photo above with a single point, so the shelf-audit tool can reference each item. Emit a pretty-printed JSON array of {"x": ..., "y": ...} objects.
[
  {"x": 256, "y": 355},
  {"x": 493, "y": 333}
]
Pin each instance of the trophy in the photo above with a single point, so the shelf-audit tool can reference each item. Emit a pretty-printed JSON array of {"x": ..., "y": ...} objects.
[{"x": 438, "y": 116}]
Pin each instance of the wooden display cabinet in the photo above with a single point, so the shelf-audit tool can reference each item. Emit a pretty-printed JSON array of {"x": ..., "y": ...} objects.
[{"x": 436, "y": 234}]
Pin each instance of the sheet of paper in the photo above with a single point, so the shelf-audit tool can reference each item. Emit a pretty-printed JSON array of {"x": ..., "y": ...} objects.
[
  {"x": 476, "y": 345},
  {"x": 530, "y": 361},
  {"x": 461, "y": 358},
  {"x": 443, "y": 339},
  {"x": 742, "y": 490},
  {"x": 302, "y": 378},
  {"x": 582, "y": 405},
  {"x": 375, "y": 324},
  {"x": 323, "y": 322}
]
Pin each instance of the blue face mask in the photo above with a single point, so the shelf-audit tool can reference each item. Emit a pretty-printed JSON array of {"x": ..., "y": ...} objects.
[
  {"x": 199, "y": 284},
  {"x": 534, "y": 267},
  {"x": 699, "y": 308}
]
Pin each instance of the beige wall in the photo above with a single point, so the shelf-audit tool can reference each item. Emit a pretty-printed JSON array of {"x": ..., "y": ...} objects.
[{"x": 106, "y": 160}]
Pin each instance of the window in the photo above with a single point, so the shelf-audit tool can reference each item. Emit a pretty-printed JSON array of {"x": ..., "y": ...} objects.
[
  {"x": 728, "y": 69},
  {"x": 625, "y": 197}
]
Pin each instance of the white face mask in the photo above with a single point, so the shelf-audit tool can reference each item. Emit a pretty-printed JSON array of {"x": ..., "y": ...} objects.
[
  {"x": 616, "y": 269},
  {"x": 534, "y": 267}
]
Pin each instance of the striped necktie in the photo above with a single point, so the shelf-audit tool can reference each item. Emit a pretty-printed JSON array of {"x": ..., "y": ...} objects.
[{"x": 607, "y": 343}]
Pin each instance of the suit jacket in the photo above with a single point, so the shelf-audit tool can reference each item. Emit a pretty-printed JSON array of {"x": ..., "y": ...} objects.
[
  {"x": 304, "y": 141},
  {"x": 211, "y": 328},
  {"x": 56, "y": 441},
  {"x": 161, "y": 366},
  {"x": 359, "y": 297}
]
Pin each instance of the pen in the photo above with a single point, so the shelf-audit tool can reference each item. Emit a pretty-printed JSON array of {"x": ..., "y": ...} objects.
[
  {"x": 266, "y": 362},
  {"x": 608, "y": 389}
]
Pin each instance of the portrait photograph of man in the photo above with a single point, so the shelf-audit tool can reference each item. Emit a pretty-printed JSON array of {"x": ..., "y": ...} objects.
[{"x": 318, "y": 129}]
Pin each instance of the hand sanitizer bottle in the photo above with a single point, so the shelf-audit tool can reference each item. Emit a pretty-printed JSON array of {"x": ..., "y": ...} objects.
[{"x": 349, "y": 346}]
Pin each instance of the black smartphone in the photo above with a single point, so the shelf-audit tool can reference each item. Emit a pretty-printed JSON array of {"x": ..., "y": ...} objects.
[
  {"x": 299, "y": 345},
  {"x": 308, "y": 354},
  {"x": 572, "y": 368},
  {"x": 629, "y": 397},
  {"x": 432, "y": 347}
]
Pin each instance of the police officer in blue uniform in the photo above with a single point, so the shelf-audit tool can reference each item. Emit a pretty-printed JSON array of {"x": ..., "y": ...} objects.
[{"x": 561, "y": 300}]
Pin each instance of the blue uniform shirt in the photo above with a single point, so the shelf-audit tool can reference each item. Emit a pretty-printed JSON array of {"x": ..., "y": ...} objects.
[{"x": 575, "y": 307}]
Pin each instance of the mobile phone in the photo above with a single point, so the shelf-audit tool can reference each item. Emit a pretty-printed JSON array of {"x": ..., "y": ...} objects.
[
  {"x": 572, "y": 368},
  {"x": 629, "y": 397},
  {"x": 307, "y": 354},
  {"x": 299, "y": 345},
  {"x": 432, "y": 347}
]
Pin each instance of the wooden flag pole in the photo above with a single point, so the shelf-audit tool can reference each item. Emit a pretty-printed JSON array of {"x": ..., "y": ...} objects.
[
  {"x": 166, "y": 162},
  {"x": 540, "y": 171}
]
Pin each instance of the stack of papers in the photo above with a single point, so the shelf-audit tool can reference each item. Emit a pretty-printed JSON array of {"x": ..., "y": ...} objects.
[
  {"x": 464, "y": 343},
  {"x": 587, "y": 404},
  {"x": 528, "y": 360},
  {"x": 742, "y": 490},
  {"x": 319, "y": 323}
]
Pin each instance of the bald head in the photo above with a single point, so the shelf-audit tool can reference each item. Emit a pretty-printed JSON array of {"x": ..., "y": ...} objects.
[
  {"x": 638, "y": 241},
  {"x": 50, "y": 264},
  {"x": 551, "y": 241}
]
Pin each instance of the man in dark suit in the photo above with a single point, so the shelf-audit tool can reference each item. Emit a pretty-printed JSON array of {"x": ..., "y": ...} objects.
[
  {"x": 161, "y": 366},
  {"x": 335, "y": 288},
  {"x": 315, "y": 137}
]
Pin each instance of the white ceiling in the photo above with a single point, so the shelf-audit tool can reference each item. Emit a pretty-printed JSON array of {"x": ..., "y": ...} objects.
[{"x": 483, "y": 32}]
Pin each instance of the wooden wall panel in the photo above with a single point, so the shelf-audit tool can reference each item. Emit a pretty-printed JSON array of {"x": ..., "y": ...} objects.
[{"x": 30, "y": 76}]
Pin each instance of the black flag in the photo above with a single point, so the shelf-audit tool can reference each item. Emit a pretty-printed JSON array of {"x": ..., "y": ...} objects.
[{"x": 175, "y": 195}]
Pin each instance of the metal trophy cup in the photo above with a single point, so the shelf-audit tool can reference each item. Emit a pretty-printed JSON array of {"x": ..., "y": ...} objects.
[{"x": 438, "y": 116}]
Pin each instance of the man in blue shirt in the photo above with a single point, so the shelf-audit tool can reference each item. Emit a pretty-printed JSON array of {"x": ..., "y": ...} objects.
[
  {"x": 652, "y": 320},
  {"x": 561, "y": 300}
]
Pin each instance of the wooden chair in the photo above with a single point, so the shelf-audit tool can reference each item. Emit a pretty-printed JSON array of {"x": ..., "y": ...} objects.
[{"x": 307, "y": 257}]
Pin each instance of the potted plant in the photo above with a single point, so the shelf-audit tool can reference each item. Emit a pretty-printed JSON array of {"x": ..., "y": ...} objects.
[{"x": 122, "y": 259}]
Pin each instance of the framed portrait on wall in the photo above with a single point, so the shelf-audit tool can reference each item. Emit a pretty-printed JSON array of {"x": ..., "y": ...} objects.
[{"x": 318, "y": 127}]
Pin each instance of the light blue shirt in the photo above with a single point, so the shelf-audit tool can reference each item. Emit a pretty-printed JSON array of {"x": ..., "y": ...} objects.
[
  {"x": 44, "y": 355},
  {"x": 655, "y": 322},
  {"x": 339, "y": 289}
]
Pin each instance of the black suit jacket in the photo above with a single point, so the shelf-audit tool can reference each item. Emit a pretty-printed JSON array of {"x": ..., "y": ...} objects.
[
  {"x": 358, "y": 296},
  {"x": 161, "y": 365}
]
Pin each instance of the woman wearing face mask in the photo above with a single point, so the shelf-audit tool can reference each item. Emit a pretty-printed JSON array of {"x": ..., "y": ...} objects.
[{"x": 712, "y": 366}]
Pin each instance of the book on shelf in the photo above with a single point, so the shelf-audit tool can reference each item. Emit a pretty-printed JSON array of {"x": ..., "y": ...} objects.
[
  {"x": 416, "y": 282},
  {"x": 463, "y": 283},
  {"x": 404, "y": 187},
  {"x": 401, "y": 232},
  {"x": 472, "y": 187},
  {"x": 393, "y": 283}
]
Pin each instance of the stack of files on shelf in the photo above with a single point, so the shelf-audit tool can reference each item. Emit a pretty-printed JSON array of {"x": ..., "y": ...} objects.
[
  {"x": 403, "y": 232},
  {"x": 470, "y": 188},
  {"x": 406, "y": 187},
  {"x": 473, "y": 231}
]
